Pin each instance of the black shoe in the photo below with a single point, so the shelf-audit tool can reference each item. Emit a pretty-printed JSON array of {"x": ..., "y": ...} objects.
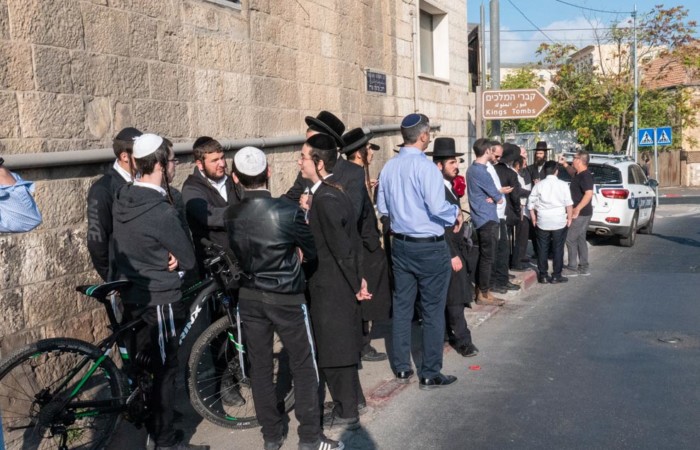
[
  {"x": 559, "y": 279},
  {"x": 512, "y": 286},
  {"x": 404, "y": 377},
  {"x": 544, "y": 279},
  {"x": 332, "y": 420},
  {"x": 499, "y": 289},
  {"x": 274, "y": 445},
  {"x": 467, "y": 350},
  {"x": 361, "y": 407},
  {"x": 230, "y": 396},
  {"x": 511, "y": 276},
  {"x": 436, "y": 382},
  {"x": 520, "y": 269},
  {"x": 183, "y": 446},
  {"x": 323, "y": 444},
  {"x": 373, "y": 355}
]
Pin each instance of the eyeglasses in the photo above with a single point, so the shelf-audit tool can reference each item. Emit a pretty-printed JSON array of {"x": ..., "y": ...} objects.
[
  {"x": 497, "y": 156},
  {"x": 302, "y": 158}
]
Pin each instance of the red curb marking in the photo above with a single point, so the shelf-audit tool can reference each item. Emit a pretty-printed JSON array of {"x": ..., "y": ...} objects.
[{"x": 474, "y": 367}]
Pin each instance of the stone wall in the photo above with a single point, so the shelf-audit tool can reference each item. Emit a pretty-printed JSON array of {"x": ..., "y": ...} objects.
[{"x": 74, "y": 72}]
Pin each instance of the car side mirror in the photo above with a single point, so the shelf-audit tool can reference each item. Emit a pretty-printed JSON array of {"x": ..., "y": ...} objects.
[{"x": 652, "y": 183}]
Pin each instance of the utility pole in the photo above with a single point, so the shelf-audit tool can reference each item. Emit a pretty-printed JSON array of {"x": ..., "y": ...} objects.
[
  {"x": 495, "y": 57},
  {"x": 636, "y": 85},
  {"x": 482, "y": 70}
]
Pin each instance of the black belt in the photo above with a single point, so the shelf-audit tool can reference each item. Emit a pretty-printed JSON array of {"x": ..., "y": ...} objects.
[{"x": 403, "y": 237}]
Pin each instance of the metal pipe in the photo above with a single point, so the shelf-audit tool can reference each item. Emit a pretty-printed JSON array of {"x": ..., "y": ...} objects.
[
  {"x": 636, "y": 86},
  {"x": 495, "y": 58},
  {"x": 102, "y": 155},
  {"x": 416, "y": 57}
]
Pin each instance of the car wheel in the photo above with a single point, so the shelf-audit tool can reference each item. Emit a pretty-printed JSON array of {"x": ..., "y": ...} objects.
[
  {"x": 628, "y": 241},
  {"x": 649, "y": 227}
]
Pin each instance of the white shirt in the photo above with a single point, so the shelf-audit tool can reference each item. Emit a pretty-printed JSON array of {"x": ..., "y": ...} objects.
[
  {"x": 220, "y": 185},
  {"x": 126, "y": 175},
  {"x": 500, "y": 207},
  {"x": 549, "y": 198},
  {"x": 151, "y": 186},
  {"x": 448, "y": 185}
]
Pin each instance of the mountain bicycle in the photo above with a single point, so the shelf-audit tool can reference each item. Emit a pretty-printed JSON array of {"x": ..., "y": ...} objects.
[{"x": 66, "y": 393}]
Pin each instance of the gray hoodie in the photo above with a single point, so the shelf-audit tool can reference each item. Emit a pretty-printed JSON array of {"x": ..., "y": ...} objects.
[{"x": 146, "y": 229}]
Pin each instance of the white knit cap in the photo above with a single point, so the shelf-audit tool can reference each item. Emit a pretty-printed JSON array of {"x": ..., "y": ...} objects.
[
  {"x": 146, "y": 144},
  {"x": 250, "y": 161}
]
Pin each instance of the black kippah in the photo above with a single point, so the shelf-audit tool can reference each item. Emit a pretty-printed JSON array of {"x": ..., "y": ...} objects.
[
  {"x": 128, "y": 134},
  {"x": 322, "y": 141}
]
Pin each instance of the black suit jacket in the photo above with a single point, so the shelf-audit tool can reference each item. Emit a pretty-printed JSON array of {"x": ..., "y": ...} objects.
[{"x": 508, "y": 177}]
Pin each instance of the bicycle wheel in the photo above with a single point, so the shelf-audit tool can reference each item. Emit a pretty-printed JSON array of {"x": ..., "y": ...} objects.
[
  {"x": 214, "y": 363},
  {"x": 39, "y": 409}
]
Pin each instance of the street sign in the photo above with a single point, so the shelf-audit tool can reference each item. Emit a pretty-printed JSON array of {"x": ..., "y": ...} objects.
[
  {"x": 645, "y": 137},
  {"x": 664, "y": 136},
  {"x": 513, "y": 104}
]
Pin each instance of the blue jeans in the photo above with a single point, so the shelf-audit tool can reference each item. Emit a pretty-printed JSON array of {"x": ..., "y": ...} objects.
[{"x": 420, "y": 268}]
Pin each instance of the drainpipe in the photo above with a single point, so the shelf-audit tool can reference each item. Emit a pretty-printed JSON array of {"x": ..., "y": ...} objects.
[
  {"x": 102, "y": 155},
  {"x": 416, "y": 57}
]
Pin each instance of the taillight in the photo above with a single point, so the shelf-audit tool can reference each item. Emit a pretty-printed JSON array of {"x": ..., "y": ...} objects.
[
  {"x": 612, "y": 219},
  {"x": 621, "y": 194}
]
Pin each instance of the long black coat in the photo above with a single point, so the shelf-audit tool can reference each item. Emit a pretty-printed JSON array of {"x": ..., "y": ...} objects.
[
  {"x": 460, "y": 290},
  {"x": 334, "y": 309},
  {"x": 375, "y": 266},
  {"x": 508, "y": 177}
]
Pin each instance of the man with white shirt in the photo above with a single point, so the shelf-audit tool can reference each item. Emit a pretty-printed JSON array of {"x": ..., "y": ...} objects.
[
  {"x": 207, "y": 192},
  {"x": 101, "y": 197},
  {"x": 550, "y": 206}
]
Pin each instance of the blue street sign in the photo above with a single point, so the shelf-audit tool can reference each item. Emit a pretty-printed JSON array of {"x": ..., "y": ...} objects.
[
  {"x": 645, "y": 137},
  {"x": 664, "y": 136}
]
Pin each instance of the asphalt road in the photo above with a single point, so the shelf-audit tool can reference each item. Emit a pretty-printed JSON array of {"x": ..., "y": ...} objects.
[{"x": 580, "y": 365}]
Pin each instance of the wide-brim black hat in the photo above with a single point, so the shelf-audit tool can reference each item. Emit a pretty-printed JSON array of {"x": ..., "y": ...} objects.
[
  {"x": 541, "y": 146},
  {"x": 326, "y": 122},
  {"x": 355, "y": 139},
  {"x": 444, "y": 148},
  {"x": 510, "y": 153}
]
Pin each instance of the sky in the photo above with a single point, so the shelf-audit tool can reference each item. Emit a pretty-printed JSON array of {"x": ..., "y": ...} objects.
[{"x": 561, "y": 22}]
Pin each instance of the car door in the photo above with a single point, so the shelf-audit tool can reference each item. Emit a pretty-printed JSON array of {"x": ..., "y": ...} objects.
[{"x": 636, "y": 180}]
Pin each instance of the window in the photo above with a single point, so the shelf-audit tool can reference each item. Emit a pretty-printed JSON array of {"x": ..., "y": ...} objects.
[
  {"x": 434, "y": 41},
  {"x": 235, "y": 4}
]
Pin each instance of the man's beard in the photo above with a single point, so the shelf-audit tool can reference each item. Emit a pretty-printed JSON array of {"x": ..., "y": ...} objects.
[{"x": 213, "y": 177}]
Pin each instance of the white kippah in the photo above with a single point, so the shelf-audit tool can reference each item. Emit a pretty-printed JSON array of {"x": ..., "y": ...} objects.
[
  {"x": 146, "y": 144},
  {"x": 250, "y": 161}
]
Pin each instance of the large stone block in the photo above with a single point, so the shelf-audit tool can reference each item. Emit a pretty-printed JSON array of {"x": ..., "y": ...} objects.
[
  {"x": 11, "y": 319},
  {"x": 51, "y": 115},
  {"x": 213, "y": 51},
  {"x": 236, "y": 88},
  {"x": 177, "y": 45},
  {"x": 132, "y": 78},
  {"x": 264, "y": 59},
  {"x": 16, "y": 67},
  {"x": 9, "y": 119},
  {"x": 106, "y": 75},
  {"x": 201, "y": 14},
  {"x": 170, "y": 119},
  {"x": 122, "y": 116},
  {"x": 98, "y": 117},
  {"x": 4, "y": 21},
  {"x": 143, "y": 37},
  {"x": 20, "y": 146},
  {"x": 206, "y": 119},
  {"x": 239, "y": 121},
  {"x": 106, "y": 29},
  {"x": 163, "y": 81},
  {"x": 61, "y": 202},
  {"x": 163, "y": 9},
  {"x": 57, "y": 23},
  {"x": 53, "y": 69},
  {"x": 208, "y": 85}
]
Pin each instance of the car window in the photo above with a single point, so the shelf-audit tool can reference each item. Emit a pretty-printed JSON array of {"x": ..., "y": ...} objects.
[
  {"x": 632, "y": 175},
  {"x": 604, "y": 174},
  {"x": 639, "y": 174}
]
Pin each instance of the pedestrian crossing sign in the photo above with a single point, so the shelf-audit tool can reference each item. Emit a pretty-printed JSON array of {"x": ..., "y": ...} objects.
[
  {"x": 645, "y": 137},
  {"x": 663, "y": 136}
]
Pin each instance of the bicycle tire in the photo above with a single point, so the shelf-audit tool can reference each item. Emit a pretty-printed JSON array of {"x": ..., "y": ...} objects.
[
  {"x": 213, "y": 355},
  {"x": 35, "y": 417}
]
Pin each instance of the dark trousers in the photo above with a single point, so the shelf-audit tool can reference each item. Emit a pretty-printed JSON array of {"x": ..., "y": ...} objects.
[
  {"x": 522, "y": 235},
  {"x": 556, "y": 239},
  {"x": 291, "y": 322},
  {"x": 457, "y": 325},
  {"x": 499, "y": 270},
  {"x": 488, "y": 238},
  {"x": 343, "y": 384},
  {"x": 424, "y": 269},
  {"x": 147, "y": 341}
]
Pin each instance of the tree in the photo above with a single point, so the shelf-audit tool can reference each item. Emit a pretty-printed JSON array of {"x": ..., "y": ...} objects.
[
  {"x": 598, "y": 103},
  {"x": 523, "y": 78}
]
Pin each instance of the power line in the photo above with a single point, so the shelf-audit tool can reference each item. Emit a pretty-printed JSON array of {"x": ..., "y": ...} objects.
[
  {"x": 567, "y": 29},
  {"x": 531, "y": 22},
  {"x": 592, "y": 9}
]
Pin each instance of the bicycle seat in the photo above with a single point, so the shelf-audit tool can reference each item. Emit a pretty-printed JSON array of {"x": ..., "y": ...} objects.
[{"x": 100, "y": 291}]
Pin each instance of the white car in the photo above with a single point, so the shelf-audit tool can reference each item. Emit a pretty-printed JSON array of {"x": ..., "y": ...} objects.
[{"x": 624, "y": 199}]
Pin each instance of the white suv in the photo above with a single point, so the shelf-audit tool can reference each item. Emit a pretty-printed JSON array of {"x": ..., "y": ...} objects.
[{"x": 624, "y": 199}]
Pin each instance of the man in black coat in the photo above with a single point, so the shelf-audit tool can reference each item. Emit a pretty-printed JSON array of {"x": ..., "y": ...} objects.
[
  {"x": 337, "y": 287},
  {"x": 101, "y": 197},
  {"x": 266, "y": 235},
  {"x": 207, "y": 192},
  {"x": 459, "y": 293}
]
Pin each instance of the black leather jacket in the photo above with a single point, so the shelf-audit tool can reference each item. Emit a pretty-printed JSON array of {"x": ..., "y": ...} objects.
[{"x": 265, "y": 233}]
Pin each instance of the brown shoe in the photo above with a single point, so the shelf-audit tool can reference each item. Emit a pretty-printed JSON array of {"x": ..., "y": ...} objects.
[{"x": 487, "y": 298}]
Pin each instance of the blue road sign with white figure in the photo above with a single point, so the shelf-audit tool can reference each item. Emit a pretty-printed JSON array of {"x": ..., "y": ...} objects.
[
  {"x": 664, "y": 136},
  {"x": 645, "y": 137}
]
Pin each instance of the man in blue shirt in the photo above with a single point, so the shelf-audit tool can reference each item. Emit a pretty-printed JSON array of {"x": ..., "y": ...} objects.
[
  {"x": 18, "y": 210},
  {"x": 412, "y": 194},
  {"x": 483, "y": 197}
]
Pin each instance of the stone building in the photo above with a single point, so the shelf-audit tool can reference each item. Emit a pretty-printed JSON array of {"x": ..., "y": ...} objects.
[{"x": 74, "y": 72}]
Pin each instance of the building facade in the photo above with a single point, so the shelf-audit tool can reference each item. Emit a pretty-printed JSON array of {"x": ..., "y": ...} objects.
[{"x": 74, "y": 72}]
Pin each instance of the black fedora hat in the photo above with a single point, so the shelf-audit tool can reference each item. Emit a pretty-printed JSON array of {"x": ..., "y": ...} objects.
[
  {"x": 355, "y": 139},
  {"x": 541, "y": 146},
  {"x": 326, "y": 122},
  {"x": 444, "y": 148},
  {"x": 510, "y": 153}
]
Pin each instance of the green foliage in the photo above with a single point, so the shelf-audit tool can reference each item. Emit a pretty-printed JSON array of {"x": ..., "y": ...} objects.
[
  {"x": 598, "y": 104},
  {"x": 523, "y": 78}
]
